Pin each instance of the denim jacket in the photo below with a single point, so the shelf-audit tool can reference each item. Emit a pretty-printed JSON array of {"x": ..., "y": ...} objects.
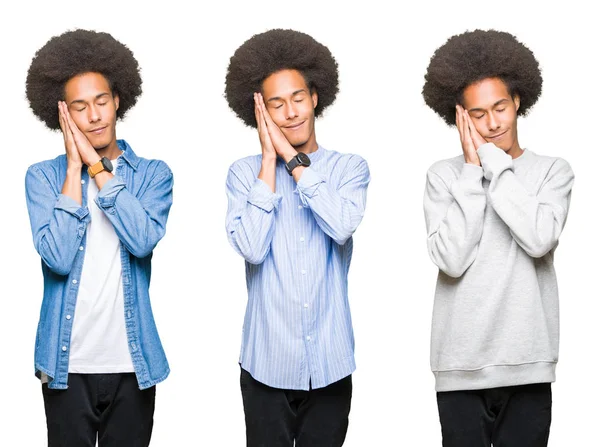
[{"x": 137, "y": 202}]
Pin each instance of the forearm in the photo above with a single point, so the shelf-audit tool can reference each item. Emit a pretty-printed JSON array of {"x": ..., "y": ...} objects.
[
  {"x": 337, "y": 210},
  {"x": 454, "y": 218},
  {"x": 72, "y": 185},
  {"x": 58, "y": 222},
  {"x": 535, "y": 219},
  {"x": 250, "y": 218},
  {"x": 139, "y": 223},
  {"x": 268, "y": 172}
]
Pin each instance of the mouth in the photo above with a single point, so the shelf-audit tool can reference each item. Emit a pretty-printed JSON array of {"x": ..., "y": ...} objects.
[
  {"x": 97, "y": 130},
  {"x": 295, "y": 126},
  {"x": 497, "y": 137}
]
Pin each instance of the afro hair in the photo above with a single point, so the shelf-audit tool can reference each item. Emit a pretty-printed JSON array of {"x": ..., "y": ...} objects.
[
  {"x": 73, "y": 53},
  {"x": 476, "y": 55},
  {"x": 269, "y": 52}
]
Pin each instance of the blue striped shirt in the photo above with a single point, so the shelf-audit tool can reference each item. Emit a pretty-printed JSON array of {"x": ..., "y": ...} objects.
[{"x": 297, "y": 244}]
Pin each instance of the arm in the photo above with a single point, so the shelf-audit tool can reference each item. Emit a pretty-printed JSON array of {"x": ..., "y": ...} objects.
[
  {"x": 454, "y": 218},
  {"x": 57, "y": 221},
  {"x": 338, "y": 209},
  {"x": 250, "y": 220},
  {"x": 535, "y": 219},
  {"x": 140, "y": 222}
]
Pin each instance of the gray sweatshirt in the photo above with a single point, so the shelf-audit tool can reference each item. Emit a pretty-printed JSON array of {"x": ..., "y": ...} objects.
[{"x": 492, "y": 231}]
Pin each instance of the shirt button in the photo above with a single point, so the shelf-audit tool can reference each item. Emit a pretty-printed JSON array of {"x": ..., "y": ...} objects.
[
  {"x": 304, "y": 272},
  {"x": 299, "y": 207},
  {"x": 81, "y": 248},
  {"x": 68, "y": 317},
  {"x": 74, "y": 281},
  {"x": 307, "y": 339},
  {"x": 64, "y": 348},
  {"x": 83, "y": 182},
  {"x": 301, "y": 239},
  {"x": 306, "y": 305}
]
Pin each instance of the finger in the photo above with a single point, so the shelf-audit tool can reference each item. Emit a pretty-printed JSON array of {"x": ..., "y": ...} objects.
[
  {"x": 466, "y": 128},
  {"x": 267, "y": 117},
  {"x": 61, "y": 121},
  {"x": 260, "y": 120},
  {"x": 459, "y": 121},
  {"x": 65, "y": 125}
]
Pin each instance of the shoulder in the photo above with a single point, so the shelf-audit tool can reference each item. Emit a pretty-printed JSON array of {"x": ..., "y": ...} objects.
[
  {"x": 344, "y": 162},
  {"x": 51, "y": 169},
  {"x": 548, "y": 164},
  {"x": 247, "y": 165},
  {"x": 448, "y": 169}
]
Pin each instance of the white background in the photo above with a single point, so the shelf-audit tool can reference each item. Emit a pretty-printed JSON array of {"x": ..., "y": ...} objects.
[{"x": 198, "y": 287}]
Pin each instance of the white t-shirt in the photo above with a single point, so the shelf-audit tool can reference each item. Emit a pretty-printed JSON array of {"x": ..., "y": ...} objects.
[{"x": 99, "y": 338}]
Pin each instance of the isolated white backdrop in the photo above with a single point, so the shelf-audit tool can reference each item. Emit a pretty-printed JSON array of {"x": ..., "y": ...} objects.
[{"x": 198, "y": 286}]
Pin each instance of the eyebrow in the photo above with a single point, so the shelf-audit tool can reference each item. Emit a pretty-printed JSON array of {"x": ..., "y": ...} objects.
[
  {"x": 479, "y": 109},
  {"x": 83, "y": 101},
  {"x": 278, "y": 98}
]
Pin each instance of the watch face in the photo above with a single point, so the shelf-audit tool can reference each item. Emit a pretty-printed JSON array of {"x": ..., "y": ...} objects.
[
  {"x": 107, "y": 164},
  {"x": 304, "y": 160}
]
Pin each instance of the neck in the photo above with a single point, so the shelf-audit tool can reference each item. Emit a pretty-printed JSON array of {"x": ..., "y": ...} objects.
[
  {"x": 310, "y": 146},
  {"x": 515, "y": 150},
  {"x": 111, "y": 151}
]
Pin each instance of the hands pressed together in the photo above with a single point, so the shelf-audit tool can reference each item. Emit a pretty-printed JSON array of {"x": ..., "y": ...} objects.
[
  {"x": 272, "y": 140},
  {"x": 78, "y": 148},
  {"x": 470, "y": 138}
]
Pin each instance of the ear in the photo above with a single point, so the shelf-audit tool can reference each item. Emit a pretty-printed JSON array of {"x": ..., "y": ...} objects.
[
  {"x": 315, "y": 98},
  {"x": 517, "y": 101},
  {"x": 116, "y": 100}
]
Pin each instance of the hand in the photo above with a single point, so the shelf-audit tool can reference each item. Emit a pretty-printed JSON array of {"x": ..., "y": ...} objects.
[
  {"x": 478, "y": 140},
  {"x": 73, "y": 157},
  {"x": 268, "y": 151},
  {"x": 463, "y": 121},
  {"x": 87, "y": 153},
  {"x": 279, "y": 142}
]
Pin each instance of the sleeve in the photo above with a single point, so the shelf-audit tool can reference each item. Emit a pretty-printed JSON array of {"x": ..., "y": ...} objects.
[
  {"x": 57, "y": 221},
  {"x": 250, "y": 220},
  {"x": 535, "y": 220},
  {"x": 140, "y": 222},
  {"x": 454, "y": 219},
  {"x": 339, "y": 209}
]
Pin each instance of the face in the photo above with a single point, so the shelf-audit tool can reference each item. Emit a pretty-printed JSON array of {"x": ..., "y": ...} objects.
[
  {"x": 93, "y": 108},
  {"x": 291, "y": 104},
  {"x": 494, "y": 112}
]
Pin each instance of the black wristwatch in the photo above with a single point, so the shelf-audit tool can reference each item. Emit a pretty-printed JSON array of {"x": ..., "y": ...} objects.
[{"x": 299, "y": 160}]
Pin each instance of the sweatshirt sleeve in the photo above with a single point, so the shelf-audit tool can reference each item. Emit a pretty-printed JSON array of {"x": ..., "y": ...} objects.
[
  {"x": 454, "y": 218},
  {"x": 535, "y": 219}
]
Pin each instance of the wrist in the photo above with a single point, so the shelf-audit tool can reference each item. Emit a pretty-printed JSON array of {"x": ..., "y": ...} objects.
[
  {"x": 268, "y": 160},
  {"x": 287, "y": 156},
  {"x": 74, "y": 167}
]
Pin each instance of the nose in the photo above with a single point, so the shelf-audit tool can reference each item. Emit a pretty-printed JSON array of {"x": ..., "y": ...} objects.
[
  {"x": 291, "y": 112},
  {"x": 93, "y": 113},
  {"x": 493, "y": 122}
]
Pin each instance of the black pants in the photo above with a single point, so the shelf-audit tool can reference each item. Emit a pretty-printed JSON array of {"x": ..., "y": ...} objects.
[
  {"x": 276, "y": 417},
  {"x": 109, "y": 406},
  {"x": 514, "y": 416}
]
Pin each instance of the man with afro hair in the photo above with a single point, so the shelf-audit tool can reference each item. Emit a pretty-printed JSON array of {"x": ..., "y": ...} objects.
[
  {"x": 97, "y": 211},
  {"x": 291, "y": 214},
  {"x": 494, "y": 215}
]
